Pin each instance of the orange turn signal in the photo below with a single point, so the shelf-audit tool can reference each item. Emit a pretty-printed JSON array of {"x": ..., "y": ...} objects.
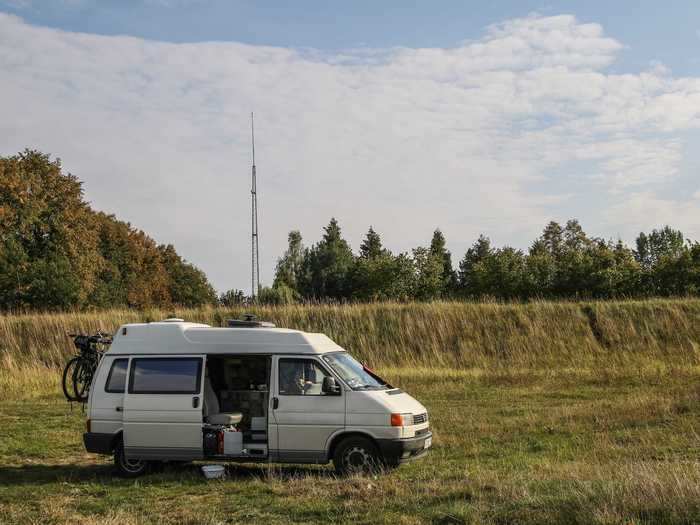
[{"x": 396, "y": 420}]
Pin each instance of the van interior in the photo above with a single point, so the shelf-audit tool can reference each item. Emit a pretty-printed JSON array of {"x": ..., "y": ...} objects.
[{"x": 235, "y": 406}]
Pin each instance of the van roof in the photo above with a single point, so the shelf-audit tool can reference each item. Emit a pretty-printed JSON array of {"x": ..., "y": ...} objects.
[{"x": 179, "y": 337}]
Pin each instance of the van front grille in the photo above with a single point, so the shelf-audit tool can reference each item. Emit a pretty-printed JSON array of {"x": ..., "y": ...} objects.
[{"x": 419, "y": 419}]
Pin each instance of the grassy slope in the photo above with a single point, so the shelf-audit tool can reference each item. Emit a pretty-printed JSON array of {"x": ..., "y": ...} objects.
[
  {"x": 543, "y": 413},
  {"x": 438, "y": 334}
]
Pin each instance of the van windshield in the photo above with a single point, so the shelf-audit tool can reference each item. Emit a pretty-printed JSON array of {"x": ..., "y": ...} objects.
[{"x": 354, "y": 373}]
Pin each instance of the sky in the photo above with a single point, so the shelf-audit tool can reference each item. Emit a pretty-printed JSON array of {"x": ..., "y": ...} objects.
[{"x": 471, "y": 117}]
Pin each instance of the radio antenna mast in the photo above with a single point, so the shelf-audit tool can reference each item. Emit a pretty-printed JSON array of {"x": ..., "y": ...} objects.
[{"x": 255, "y": 259}]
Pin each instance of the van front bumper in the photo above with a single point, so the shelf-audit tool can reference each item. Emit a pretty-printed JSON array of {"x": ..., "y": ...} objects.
[
  {"x": 397, "y": 451},
  {"x": 98, "y": 443}
]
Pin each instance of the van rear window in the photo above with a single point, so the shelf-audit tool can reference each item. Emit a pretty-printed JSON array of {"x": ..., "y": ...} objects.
[
  {"x": 165, "y": 375},
  {"x": 117, "y": 376}
]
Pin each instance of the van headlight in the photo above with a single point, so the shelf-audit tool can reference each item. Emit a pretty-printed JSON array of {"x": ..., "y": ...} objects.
[{"x": 401, "y": 420}]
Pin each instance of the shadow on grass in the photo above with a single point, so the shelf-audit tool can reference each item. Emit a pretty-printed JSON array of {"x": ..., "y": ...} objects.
[{"x": 38, "y": 474}]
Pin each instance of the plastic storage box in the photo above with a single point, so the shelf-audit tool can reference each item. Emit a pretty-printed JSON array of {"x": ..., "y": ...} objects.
[{"x": 233, "y": 443}]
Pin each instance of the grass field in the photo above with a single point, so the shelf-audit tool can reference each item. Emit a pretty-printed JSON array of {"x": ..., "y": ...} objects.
[{"x": 565, "y": 413}]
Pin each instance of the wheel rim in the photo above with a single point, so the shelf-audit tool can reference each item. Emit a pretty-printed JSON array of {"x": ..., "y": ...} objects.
[{"x": 358, "y": 459}]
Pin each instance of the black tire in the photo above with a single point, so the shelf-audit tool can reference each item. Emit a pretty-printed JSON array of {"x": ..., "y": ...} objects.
[
  {"x": 357, "y": 455},
  {"x": 68, "y": 374},
  {"x": 128, "y": 468},
  {"x": 82, "y": 377}
]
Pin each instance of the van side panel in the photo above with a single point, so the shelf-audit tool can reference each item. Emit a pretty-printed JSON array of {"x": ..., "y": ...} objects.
[
  {"x": 160, "y": 425},
  {"x": 105, "y": 410},
  {"x": 305, "y": 422}
]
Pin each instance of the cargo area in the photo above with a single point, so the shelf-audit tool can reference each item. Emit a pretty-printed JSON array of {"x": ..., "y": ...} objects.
[{"x": 236, "y": 404}]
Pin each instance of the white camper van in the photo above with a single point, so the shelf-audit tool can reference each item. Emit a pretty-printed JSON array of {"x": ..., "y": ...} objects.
[{"x": 178, "y": 391}]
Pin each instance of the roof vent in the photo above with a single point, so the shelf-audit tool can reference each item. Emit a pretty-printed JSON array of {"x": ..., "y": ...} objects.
[
  {"x": 249, "y": 321},
  {"x": 173, "y": 320}
]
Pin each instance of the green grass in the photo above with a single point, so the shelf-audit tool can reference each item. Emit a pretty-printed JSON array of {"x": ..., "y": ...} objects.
[{"x": 557, "y": 446}]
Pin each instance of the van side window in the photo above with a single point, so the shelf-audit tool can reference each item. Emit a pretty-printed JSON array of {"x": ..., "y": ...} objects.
[
  {"x": 300, "y": 377},
  {"x": 176, "y": 375},
  {"x": 116, "y": 379}
]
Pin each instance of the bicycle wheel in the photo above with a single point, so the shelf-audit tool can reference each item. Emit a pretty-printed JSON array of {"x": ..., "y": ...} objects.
[
  {"x": 68, "y": 374},
  {"x": 82, "y": 377}
]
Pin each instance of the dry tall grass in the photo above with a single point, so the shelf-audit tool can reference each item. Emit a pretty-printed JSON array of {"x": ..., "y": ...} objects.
[{"x": 452, "y": 334}]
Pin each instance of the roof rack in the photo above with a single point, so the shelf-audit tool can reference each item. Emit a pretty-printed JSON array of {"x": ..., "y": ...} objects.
[{"x": 249, "y": 321}]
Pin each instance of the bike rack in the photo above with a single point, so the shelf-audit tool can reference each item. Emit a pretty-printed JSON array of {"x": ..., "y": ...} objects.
[{"x": 90, "y": 351}]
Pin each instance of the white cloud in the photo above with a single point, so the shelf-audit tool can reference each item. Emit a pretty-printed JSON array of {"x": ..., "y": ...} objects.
[
  {"x": 644, "y": 210},
  {"x": 476, "y": 138}
]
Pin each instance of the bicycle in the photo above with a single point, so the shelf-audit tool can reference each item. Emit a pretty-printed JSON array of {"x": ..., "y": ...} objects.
[{"x": 78, "y": 372}]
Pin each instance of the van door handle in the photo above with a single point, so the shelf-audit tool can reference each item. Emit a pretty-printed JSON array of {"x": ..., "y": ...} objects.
[
  {"x": 195, "y": 402},
  {"x": 275, "y": 403},
  {"x": 118, "y": 409}
]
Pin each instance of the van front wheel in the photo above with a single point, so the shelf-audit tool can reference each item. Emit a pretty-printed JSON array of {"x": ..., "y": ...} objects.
[
  {"x": 356, "y": 455},
  {"x": 128, "y": 468}
]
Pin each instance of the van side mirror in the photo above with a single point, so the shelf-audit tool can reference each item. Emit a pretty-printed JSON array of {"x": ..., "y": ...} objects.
[{"x": 330, "y": 386}]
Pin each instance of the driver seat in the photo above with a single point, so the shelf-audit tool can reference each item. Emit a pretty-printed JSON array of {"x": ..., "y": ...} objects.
[{"x": 211, "y": 408}]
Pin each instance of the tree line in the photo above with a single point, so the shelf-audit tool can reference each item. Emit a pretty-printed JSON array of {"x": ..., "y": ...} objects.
[
  {"x": 562, "y": 263},
  {"x": 58, "y": 253}
]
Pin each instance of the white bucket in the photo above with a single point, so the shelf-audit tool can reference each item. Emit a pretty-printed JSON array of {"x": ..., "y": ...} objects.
[{"x": 213, "y": 471}]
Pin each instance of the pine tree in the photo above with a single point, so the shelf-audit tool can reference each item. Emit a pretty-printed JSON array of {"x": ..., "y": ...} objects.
[
  {"x": 476, "y": 254},
  {"x": 448, "y": 275},
  {"x": 371, "y": 246},
  {"x": 327, "y": 266}
]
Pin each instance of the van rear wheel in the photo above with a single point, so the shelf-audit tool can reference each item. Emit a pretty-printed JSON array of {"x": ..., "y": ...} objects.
[
  {"x": 356, "y": 455},
  {"x": 128, "y": 468}
]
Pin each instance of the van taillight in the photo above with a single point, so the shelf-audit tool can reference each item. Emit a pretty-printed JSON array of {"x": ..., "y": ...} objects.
[{"x": 87, "y": 424}]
